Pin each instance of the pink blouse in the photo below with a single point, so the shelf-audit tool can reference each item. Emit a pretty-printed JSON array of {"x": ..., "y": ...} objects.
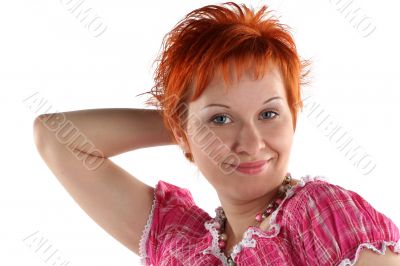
[{"x": 317, "y": 223}]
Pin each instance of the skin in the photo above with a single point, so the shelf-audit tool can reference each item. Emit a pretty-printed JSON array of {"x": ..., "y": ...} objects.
[
  {"x": 370, "y": 258},
  {"x": 251, "y": 130},
  {"x": 252, "y": 134}
]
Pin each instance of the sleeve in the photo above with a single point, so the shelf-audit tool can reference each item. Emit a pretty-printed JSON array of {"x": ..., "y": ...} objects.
[
  {"x": 332, "y": 225},
  {"x": 169, "y": 205}
]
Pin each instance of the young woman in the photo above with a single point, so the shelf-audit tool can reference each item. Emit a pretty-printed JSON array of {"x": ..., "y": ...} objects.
[{"x": 227, "y": 91}]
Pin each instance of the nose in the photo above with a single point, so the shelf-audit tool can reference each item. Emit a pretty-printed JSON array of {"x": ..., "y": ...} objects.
[{"x": 250, "y": 140}]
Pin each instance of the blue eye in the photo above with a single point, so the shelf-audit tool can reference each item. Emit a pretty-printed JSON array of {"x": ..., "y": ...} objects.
[
  {"x": 270, "y": 113},
  {"x": 221, "y": 118}
]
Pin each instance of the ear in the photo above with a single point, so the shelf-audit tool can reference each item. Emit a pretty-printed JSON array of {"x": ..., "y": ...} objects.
[{"x": 180, "y": 139}]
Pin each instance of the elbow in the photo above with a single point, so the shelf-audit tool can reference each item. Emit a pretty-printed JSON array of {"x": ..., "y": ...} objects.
[{"x": 40, "y": 131}]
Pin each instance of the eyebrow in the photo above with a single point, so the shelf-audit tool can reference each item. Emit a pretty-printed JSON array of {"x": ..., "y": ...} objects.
[{"x": 226, "y": 106}]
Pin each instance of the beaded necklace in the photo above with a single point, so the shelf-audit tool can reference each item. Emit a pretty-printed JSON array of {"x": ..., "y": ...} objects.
[{"x": 259, "y": 218}]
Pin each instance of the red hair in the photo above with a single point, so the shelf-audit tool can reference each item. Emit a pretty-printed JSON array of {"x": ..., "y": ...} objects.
[{"x": 206, "y": 40}]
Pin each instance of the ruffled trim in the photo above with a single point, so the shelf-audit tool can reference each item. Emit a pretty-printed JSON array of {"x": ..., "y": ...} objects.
[
  {"x": 382, "y": 251},
  {"x": 214, "y": 249},
  {"x": 146, "y": 231},
  {"x": 248, "y": 241}
]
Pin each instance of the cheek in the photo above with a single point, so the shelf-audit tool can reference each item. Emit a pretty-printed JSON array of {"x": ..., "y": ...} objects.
[
  {"x": 209, "y": 169},
  {"x": 279, "y": 137},
  {"x": 282, "y": 141},
  {"x": 205, "y": 149}
]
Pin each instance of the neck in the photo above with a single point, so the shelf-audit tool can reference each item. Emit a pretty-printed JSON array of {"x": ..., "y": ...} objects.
[{"x": 241, "y": 214}]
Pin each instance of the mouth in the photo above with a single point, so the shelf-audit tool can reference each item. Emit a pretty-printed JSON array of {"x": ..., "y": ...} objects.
[
  {"x": 251, "y": 168},
  {"x": 250, "y": 164},
  {"x": 253, "y": 164}
]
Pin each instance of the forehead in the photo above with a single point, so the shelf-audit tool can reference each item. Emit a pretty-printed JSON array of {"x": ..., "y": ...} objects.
[{"x": 245, "y": 88}]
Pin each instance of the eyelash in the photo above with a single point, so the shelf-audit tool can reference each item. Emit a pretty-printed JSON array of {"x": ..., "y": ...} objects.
[{"x": 225, "y": 115}]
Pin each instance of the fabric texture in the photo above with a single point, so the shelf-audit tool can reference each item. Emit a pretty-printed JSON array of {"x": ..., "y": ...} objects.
[{"x": 317, "y": 223}]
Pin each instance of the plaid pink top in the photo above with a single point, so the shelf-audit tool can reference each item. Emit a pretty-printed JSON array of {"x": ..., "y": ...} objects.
[{"x": 318, "y": 223}]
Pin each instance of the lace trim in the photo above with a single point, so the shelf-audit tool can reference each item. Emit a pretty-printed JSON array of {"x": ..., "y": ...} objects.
[
  {"x": 146, "y": 231},
  {"x": 214, "y": 249},
  {"x": 248, "y": 241},
  {"x": 382, "y": 251}
]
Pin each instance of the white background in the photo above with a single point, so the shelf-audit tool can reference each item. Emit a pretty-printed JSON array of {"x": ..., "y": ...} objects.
[{"x": 46, "y": 50}]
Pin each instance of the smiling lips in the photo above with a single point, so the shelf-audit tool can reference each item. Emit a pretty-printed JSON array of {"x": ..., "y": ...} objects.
[
  {"x": 254, "y": 164},
  {"x": 251, "y": 168}
]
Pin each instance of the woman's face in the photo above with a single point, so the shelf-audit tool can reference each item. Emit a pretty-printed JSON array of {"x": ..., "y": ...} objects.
[{"x": 255, "y": 124}]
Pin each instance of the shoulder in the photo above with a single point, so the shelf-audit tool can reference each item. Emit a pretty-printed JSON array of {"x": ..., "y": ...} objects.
[
  {"x": 169, "y": 194},
  {"x": 329, "y": 223},
  {"x": 174, "y": 214},
  {"x": 322, "y": 199},
  {"x": 174, "y": 207},
  {"x": 321, "y": 203},
  {"x": 310, "y": 192}
]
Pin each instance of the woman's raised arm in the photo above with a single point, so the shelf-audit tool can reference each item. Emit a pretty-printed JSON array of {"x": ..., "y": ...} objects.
[
  {"x": 111, "y": 131},
  {"x": 76, "y": 147}
]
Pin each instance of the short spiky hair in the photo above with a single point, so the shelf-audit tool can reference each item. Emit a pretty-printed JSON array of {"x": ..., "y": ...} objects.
[{"x": 206, "y": 40}]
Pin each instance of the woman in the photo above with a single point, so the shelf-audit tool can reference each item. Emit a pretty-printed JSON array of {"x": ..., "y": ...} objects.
[{"x": 228, "y": 93}]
